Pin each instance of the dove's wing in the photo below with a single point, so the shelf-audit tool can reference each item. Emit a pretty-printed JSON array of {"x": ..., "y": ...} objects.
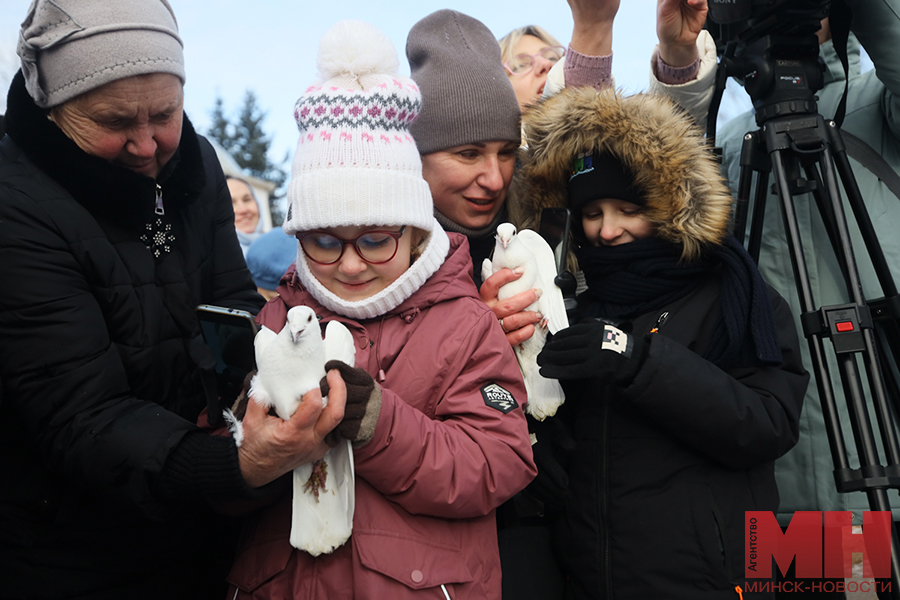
[
  {"x": 487, "y": 269},
  {"x": 263, "y": 338},
  {"x": 339, "y": 343},
  {"x": 258, "y": 391},
  {"x": 544, "y": 395},
  {"x": 551, "y": 302}
]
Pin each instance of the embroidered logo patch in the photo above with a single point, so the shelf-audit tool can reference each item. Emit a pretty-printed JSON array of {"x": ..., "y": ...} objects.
[
  {"x": 498, "y": 398},
  {"x": 616, "y": 340},
  {"x": 583, "y": 163}
]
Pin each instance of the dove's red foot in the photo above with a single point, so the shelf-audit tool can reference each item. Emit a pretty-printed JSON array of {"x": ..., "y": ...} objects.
[{"x": 317, "y": 478}]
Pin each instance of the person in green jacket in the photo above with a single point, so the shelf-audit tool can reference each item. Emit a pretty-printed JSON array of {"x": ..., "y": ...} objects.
[{"x": 805, "y": 474}]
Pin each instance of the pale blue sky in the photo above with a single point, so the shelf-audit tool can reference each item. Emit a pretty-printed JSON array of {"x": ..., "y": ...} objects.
[{"x": 269, "y": 46}]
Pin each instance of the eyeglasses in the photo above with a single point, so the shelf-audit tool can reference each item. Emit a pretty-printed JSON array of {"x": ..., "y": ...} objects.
[
  {"x": 520, "y": 64},
  {"x": 374, "y": 247}
]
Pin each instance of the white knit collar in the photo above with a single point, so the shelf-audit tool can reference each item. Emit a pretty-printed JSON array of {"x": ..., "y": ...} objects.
[{"x": 389, "y": 298}]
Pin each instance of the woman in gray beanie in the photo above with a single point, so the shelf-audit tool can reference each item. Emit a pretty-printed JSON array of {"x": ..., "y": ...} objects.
[
  {"x": 115, "y": 223},
  {"x": 469, "y": 134}
]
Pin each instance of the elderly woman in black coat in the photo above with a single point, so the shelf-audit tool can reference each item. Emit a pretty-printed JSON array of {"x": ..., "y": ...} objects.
[{"x": 115, "y": 223}]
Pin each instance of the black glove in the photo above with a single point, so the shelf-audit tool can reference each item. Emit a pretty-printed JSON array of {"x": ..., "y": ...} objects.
[
  {"x": 551, "y": 451},
  {"x": 363, "y": 404},
  {"x": 593, "y": 350}
]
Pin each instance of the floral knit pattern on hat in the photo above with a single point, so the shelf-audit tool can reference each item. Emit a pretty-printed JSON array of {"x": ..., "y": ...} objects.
[{"x": 357, "y": 163}]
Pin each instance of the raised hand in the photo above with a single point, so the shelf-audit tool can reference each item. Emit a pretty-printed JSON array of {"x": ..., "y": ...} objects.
[
  {"x": 678, "y": 24},
  {"x": 592, "y": 32}
]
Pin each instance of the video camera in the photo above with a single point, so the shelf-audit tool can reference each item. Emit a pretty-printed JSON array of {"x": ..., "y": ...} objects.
[
  {"x": 733, "y": 17},
  {"x": 771, "y": 46}
]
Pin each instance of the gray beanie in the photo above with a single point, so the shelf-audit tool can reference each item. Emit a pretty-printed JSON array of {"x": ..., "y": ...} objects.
[
  {"x": 466, "y": 96},
  {"x": 69, "y": 47}
]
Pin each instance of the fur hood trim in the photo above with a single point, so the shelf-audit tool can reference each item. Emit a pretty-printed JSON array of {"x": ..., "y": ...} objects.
[{"x": 687, "y": 197}]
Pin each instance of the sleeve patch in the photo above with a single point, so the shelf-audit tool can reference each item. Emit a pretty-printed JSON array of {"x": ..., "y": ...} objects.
[
  {"x": 616, "y": 340},
  {"x": 498, "y": 398}
]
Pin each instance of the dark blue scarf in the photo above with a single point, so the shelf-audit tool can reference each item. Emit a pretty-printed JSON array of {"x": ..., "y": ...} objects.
[{"x": 638, "y": 277}]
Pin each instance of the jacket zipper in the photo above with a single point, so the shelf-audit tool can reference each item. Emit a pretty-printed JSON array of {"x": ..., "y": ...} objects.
[
  {"x": 723, "y": 539},
  {"x": 604, "y": 505},
  {"x": 660, "y": 321},
  {"x": 159, "y": 201}
]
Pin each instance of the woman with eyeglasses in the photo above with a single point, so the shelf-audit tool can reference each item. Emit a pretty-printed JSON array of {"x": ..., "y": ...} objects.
[
  {"x": 434, "y": 400},
  {"x": 469, "y": 133},
  {"x": 528, "y": 53}
]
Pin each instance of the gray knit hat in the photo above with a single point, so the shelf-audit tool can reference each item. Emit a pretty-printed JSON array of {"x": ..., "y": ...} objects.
[
  {"x": 466, "y": 95},
  {"x": 69, "y": 47}
]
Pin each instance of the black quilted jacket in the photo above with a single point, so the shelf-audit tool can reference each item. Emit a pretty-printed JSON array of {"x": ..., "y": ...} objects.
[{"x": 106, "y": 481}]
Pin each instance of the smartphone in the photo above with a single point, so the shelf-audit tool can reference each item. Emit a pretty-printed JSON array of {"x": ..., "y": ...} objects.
[{"x": 229, "y": 333}]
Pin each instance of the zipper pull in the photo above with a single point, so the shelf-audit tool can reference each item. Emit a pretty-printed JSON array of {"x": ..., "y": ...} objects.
[
  {"x": 659, "y": 322},
  {"x": 739, "y": 591},
  {"x": 159, "y": 202}
]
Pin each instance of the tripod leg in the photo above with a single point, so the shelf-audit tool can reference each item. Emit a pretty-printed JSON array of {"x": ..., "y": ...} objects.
[
  {"x": 873, "y": 474},
  {"x": 873, "y": 368},
  {"x": 828, "y": 217},
  {"x": 816, "y": 346},
  {"x": 887, "y": 341},
  {"x": 748, "y": 147},
  {"x": 759, "y": 209}
]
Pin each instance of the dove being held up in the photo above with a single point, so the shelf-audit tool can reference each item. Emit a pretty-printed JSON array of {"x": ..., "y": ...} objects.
[
  {"x": 290, "y": 364},
  {"x": 528, "y": 251}
]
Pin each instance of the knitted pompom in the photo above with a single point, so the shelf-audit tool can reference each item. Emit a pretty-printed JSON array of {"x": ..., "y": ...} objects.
[{"x": 355, "y": 48}]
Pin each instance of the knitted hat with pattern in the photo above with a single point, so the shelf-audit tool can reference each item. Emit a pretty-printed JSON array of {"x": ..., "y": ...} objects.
[
  {"x": 468, "y": 98},
  {"x": 356, "y": 162},
  {"x": 69, "y": 47}
]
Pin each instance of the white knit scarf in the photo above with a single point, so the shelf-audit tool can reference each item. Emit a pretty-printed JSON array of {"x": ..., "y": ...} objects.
[{"x": 433, "y": 256}]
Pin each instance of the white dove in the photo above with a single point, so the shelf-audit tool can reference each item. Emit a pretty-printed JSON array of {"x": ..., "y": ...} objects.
[
  {"x": 528, "y": 250},
  {"x": 289, "y": 365}
]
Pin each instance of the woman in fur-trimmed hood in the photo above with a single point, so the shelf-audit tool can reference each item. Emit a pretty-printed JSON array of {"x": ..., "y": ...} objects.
[
  {"x": 680, "y": 181},
  {"x": 682, "y": 369}
]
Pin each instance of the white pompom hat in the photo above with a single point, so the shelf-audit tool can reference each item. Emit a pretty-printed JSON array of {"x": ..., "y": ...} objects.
[{"x": 357, "y": 163}]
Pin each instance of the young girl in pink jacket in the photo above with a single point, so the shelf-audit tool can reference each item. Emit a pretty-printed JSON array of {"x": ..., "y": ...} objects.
[{"x": 434, "y": 401}]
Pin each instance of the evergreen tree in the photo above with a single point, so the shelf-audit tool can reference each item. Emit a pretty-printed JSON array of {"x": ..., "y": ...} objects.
[
  {"x": 246, "y": 141},
  {"x": 251, "y": 144},
  {"x": 220, "y": 128}
]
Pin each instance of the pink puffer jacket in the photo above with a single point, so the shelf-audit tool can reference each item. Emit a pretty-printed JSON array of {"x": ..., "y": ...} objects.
[{"x": 450, "y": 445}]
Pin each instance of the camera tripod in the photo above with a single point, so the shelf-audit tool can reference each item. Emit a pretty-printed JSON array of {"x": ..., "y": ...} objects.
[{"x": 803, "y": 152}]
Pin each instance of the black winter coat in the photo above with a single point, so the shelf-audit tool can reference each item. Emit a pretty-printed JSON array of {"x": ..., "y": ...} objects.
[
  {"x": 663, "y": 470},
  {"x": 107, "y": 481}
]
